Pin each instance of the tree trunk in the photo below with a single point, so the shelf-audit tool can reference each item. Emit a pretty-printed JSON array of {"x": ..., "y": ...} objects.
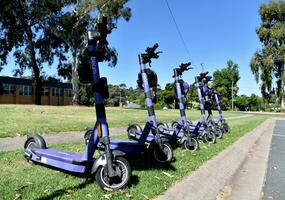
[
  {"x": 75, "y": 79},
  {"x": 35, "y": 67}
]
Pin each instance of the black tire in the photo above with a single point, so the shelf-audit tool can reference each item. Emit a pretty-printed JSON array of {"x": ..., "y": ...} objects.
[
  {"x": 162, "y": 127},
  {"x": 219, "y": 133},
  {"x": 34, "y": 141},
  {"x": 226, "y": 127},
  {"x": 164, "y": 155},
  {"x": 174, "y": 124},
  {"x": 194, "y": 146},
  {"x": 209, "y": 137},
  {"x": 132, "y": 130},
  {"x": 117, "y": 182},
  {"x": 189, "y": 123},
  {"x": 87, "y": 135}
]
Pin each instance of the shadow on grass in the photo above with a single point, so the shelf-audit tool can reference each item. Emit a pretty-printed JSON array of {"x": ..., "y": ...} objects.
[
  {"x": 143, "y": 163},
  {"x": 70, "y": 190}
]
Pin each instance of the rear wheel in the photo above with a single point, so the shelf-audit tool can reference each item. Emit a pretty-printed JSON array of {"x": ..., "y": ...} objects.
[
  {"x": 164, "y": 154},
  {"x": 87, "y": 135},
  {"x": 33, "y": 142},
  {"x": 162, "y": 127},
  {"x": 193, "y": 146},
  {"x": 121, "y": 180},
  {"x": 189, "y": 123},
  {"x": 133, "y": 130},
  {"x": 174, "y": 125}
]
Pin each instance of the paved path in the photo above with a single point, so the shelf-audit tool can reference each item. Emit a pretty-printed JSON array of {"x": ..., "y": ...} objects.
[
  {"x": 274, "y": 186},
  {"x": 266, "y": 113},
  {"x": 217, "y": 178},
  {"x": 14, "y": 143}
]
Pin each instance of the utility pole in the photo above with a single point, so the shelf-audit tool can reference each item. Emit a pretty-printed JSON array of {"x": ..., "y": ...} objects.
[
  {"x": 120, "y": 99},
  {"x": 232, "y": 95}
]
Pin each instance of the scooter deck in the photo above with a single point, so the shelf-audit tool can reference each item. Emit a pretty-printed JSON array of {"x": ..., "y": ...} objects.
[
  {"x": 127, "y": 146},
  {"x": 61, "y": 159}
]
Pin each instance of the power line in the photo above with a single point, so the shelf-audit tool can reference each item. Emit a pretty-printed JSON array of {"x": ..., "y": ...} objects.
[{"x": 177, "y": 28}]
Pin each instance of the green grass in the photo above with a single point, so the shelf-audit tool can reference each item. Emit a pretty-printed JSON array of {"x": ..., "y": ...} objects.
[
  {"x": 22, "y": 119},
  {"x": 23, "y": 181}
]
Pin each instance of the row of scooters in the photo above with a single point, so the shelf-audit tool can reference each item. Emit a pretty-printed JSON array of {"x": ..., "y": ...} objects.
[{"x": 111, "y": 168}]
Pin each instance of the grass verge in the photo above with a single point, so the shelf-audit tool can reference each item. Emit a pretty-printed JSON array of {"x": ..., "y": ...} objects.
[
  {"x": 22, "y": 119},
  {"x": 19, "y": 180}
]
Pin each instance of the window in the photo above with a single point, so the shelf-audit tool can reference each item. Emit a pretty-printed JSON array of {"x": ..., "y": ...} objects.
[
  {"x": 44, "y": 91},
  {"x": 8, "y": 89},
  {"x": 69, "y": 93},
  {"x": 26, "y": 90},
  {"x": 57, "y": 92}
]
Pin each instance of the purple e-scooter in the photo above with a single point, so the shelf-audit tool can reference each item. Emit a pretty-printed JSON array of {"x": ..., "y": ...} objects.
[
  {"x": 159, "y": 149},
  {"x": 180, "y": 133},
  {"x": 207, "y": 94},
  {"x": 202, "y": 130},
  {"x": 220, "y": 121},
  {"x": 211, "y": 96},
  {"x": 110, "y": 169}
]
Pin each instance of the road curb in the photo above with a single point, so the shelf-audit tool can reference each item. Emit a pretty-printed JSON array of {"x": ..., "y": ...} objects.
[{"x": 206, "y": 182}]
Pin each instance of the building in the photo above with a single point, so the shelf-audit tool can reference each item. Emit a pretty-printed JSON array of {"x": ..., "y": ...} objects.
[{"x": 22, "y": 91}]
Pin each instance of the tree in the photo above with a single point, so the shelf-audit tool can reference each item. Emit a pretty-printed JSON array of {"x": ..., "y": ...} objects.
[
  {"x": 27, "y": 30},
  {"x": 241, "y": 102},
  {"x": 267, "y": 64},
  {"x": 192, "y": 94},
  {"x": 74, "y": 25},
  {"x": 224, "y": 79}
]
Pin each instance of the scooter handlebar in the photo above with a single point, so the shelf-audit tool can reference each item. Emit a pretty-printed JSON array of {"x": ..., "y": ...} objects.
[
  {"x": 203, "y": 74},
  {"x": 185, "y": 66},
  {"x": 150, "y": 54}
]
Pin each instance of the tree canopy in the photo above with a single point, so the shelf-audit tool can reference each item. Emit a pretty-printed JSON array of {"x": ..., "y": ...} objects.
[
  {"x": 27, "y": 30},
  {"x": 267, "y": 64},
  {"x": 38, "y": 32},
  {"x": 224, "y": 79}
]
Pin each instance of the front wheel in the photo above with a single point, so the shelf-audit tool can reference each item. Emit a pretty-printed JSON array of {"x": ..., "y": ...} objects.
[
  {"x": 164, "y": 154},
  {"x": 120, "y": 181},
  {"x": 219, "y": 133},
  {"x": 209, "y": 137},
  {"x": 226, "y": 127},
  {"x": 193, "y": 146}
]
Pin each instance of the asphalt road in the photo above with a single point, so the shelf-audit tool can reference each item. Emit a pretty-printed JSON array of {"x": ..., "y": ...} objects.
[{"x": 274, "y": 186}]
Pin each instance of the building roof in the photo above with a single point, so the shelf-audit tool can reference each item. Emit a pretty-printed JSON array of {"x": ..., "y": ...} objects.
[{"x": 24, "y": 81}]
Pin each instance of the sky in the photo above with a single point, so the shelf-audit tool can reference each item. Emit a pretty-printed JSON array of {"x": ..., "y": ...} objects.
[{"x": 214, "y": 32}]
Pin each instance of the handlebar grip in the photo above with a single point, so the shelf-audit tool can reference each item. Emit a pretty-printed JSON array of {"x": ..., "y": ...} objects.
[
  {"x": 155, "y": 46},
  {"x": 151, "y": 50},
  {"x": 184, "y": 66},
  {"x": 203, "y": 75}
]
